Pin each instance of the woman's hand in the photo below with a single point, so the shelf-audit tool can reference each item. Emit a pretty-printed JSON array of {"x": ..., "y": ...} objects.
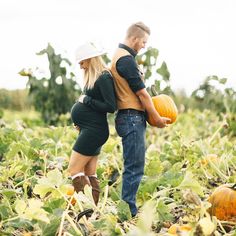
[
  {"x": 81, "y": 98},
  {"x": 76, "y": 127}
]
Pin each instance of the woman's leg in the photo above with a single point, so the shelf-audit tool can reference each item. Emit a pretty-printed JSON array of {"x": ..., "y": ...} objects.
[
  {"x": 76, "y": 169},
  {"x": 77, "y": 163},
  {"x": 91, "y": 166}
]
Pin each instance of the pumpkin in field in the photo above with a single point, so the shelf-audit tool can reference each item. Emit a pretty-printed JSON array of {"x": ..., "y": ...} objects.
[
  {"x": 165, "y": 106},
  {"x": 177, "y": 229},
  {"x": 223, "y": 201},
  {"x": 70, "y": 192},
  {"x": 208, "y": 159}
]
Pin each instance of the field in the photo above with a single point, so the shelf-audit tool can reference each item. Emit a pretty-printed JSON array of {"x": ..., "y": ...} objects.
[{"x": 185, "y": 162}]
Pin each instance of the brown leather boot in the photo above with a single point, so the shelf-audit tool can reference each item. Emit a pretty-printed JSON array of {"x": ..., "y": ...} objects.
[
  {"x": 79, "y": 183},
  {"x": 95, "y": 188}
]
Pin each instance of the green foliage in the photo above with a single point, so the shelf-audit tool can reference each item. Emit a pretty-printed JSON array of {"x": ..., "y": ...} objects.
[
  {"x": 164, "y": 212},
  {"x": 14, "y": 99},
  {"x": 1, "y": 113},
  {"x": 213, "y": 94},
  {"x": 123, "y": 211},
  {"x": 52, "y": 96},
  {"x": 147, "y": 62},
  {"x": 34, "y": 178}
]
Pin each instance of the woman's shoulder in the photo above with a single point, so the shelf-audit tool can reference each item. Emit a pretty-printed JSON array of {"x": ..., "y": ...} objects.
[{"x": 106, "y": 74}]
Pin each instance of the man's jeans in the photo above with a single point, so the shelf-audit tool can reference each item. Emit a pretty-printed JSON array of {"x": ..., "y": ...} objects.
[{"x": 131, "y": 127}]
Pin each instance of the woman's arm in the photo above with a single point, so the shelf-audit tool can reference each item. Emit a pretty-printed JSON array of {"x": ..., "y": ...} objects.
[{"x": 107, "y": 90}]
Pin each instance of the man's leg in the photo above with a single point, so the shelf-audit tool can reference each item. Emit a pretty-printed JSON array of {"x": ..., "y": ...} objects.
[{"x": 134, "y": 159}]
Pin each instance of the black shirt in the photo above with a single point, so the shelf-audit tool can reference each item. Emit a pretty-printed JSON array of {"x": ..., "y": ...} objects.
[
  {"x": 92, "y": 113},
  {"x": 127, "y": 67},
  {"x": 101, "y": 97}
]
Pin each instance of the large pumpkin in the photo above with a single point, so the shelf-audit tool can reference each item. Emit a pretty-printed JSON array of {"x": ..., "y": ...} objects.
[
  {"x": 165, "y": 106},
  {"x": 223, "y": 201}
]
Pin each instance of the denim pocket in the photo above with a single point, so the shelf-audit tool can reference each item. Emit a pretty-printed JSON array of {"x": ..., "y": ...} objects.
[{"x": 138, "y": 120}]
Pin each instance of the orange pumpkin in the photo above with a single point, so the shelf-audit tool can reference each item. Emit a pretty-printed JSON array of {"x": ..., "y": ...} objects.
[
  {"x": 223, "y": 201},
  {"x": 176, "y": 229},
  {"x": 208, "y": 159},
  {"x": 165, "y": 106},
  {"x": 70, "y": 191}
]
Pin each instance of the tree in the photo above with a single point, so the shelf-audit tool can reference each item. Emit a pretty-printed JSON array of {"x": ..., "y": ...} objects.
[
  {"x": 147, "y": 61},
  {"x": 52, "y": 96}
]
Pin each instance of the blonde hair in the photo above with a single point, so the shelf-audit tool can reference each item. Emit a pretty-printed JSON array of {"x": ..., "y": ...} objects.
[
  {"x": 95, "y": 69},
  {"x": 138, "y": 30}
]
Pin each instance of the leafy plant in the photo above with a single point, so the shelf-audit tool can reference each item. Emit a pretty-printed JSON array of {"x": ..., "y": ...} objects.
[{"x": 55, "y": 95}]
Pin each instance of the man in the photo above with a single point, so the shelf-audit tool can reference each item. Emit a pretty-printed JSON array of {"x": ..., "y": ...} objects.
[{"x": 133, "y": 101}]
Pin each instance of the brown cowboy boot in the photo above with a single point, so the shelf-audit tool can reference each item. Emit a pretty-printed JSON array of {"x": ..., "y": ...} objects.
[
  {"x": 95, "y": 188},
  {"x": 79, "y": 183}
]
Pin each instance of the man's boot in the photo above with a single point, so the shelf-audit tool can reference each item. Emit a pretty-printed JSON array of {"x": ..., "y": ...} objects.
[
  {"x": 79, "y": 182},
  {"x": 95, "y": 188}
]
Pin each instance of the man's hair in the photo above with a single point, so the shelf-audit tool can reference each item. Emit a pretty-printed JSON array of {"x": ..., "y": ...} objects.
[{"x": 138, "y": 30}]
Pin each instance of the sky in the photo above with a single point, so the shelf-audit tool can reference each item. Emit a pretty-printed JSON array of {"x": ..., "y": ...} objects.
[{"x": 196, "y": 38}]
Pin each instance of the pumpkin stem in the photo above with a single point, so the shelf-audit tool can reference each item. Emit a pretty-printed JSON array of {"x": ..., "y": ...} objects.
[{"x": 153, "y": 90}]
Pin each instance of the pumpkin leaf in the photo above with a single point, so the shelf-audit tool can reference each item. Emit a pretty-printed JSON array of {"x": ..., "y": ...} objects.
[
  {"x": 52, "y": 183},
  {"x": 123, "y": 211},
  {"x": 163, "y": 211},
  {"x": 144, "y": 222},
  {"x": 190, "y": 183},
  {"x": 31, "y": 210}
]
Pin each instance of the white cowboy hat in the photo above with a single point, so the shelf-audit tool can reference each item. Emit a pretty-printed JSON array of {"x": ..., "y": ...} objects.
[{"x": 88, "y": 50}]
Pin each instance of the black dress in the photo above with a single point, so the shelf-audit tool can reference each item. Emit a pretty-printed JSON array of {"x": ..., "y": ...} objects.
[{"x": 91, "y": 116}]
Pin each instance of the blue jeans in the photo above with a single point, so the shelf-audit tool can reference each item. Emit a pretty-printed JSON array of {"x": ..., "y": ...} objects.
[{"x": 131, "y": 128}]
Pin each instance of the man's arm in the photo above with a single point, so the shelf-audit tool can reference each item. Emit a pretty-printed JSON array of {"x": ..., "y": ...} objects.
[{"x": 147, "y": 103}]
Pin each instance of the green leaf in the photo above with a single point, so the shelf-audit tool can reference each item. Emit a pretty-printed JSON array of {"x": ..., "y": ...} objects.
[
  {"x": 42, "y": 189},
  {"x": 223, "y": 80},
  {"x": 5, "y": 211},
  {"x": 190, "y": 183},
  {"x": 146, "y": 217},
  {"x": 35, "y": 211},
  {"x": 123, "y": 211},
  {"x": 20, "y": 207},
  {"x": 163, "y": 211},
  {"x": 153, "y": 166},
  {"x": 110, "y": 145},
  {"x": 164, "y": 72},
  {"x": 8, "y": 193},
  {"x": 172, "y": 177},
  {"x": 55, "y": 177},
  {"x": 51, "y": 229},
  {"x": 50, "y": 184}
]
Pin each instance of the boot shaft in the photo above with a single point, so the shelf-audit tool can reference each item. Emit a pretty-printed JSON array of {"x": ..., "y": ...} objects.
[
  {"x": 95, "y": 188},
  {"x": 79, "y": 183}
]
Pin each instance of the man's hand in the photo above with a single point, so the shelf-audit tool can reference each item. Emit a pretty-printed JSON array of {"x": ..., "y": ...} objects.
[
  {"x": 163, "y": 122},
  {"x": 147, "y": 103},
  {"x": 81, "y": 98}
]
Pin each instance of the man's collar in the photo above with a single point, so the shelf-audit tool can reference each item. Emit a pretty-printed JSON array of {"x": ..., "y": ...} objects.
[{"x": 130, "y": 50}]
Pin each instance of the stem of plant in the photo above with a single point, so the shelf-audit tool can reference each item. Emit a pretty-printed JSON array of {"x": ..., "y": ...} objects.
[
  {"x": 216, "y": 132},
  {"x": 105, "y": 198},
  {"x": 73, "y": 225}
]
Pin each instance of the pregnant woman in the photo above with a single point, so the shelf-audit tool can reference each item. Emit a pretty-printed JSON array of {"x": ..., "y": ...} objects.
[{"x": 89, "y": 115}]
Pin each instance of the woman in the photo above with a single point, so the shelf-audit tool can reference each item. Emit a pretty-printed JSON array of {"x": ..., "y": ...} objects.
[{"x": 89, "y": 114}]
